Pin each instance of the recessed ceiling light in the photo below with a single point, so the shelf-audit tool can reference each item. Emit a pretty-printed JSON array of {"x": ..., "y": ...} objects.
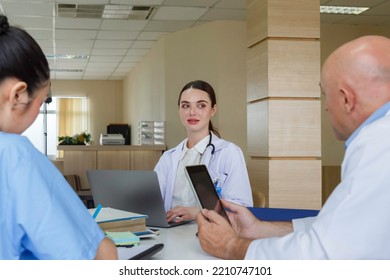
[
  {"x": 110, "y": 11},
  {"x": 342, "y": 10}
]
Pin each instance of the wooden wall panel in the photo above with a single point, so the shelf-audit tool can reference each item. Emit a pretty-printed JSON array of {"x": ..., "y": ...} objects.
[
  {"x": 257, "y": 21},
  {"x": 258, "y": 129},
  {"x": 295, "y": 184},
  {"x": 144, "y": 160},
  {"x": 119, "y": 160},
  {"x": 258, "y": 171},
  {"x": 293, "y": 68},
  {"x": 76, "y": 163},
  {"x": 299, "y": 19},
  {"x": 78, "y": 159},
  {"x": 294, "y": 128},
  {"x": 273, "y": 62},
  {"x": 284, "y": 107},
  {"x": 257, "y": 72},
  {"x": 282, "y": 19},
  {"x": 331, "y": 177},
  {"x": 284, "y": 128}
]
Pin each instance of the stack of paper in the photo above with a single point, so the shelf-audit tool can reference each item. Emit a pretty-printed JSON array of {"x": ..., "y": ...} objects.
[{"x": 124, "y": 238}]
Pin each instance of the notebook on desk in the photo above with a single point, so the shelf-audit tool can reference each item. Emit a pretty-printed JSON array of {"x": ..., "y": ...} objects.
[{"x": 130, "y": 190}]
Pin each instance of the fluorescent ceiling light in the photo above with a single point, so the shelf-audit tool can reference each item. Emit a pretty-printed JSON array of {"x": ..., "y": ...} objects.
[
  {"x": 342, "y": 10},
  {"x": 116, "y": 11},
  {"x": 66, "y": 70},
  {"x": 66, "y": 56}
]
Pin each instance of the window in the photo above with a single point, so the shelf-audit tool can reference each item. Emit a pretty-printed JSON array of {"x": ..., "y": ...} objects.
[{"x": 64, "y": 116}]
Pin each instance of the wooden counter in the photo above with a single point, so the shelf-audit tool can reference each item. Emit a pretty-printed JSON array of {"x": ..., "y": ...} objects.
[{"x": 79, "y": 158}]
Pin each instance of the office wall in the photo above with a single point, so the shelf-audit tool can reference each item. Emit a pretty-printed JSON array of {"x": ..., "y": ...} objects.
[
  {"x": 214, "y": 52},
  {"x": 144, "y": 90},
  {"x": 105, "y": 101}
]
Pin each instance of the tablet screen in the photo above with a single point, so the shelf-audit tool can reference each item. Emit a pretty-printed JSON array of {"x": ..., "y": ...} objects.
[{"x": 204, "y": 189}]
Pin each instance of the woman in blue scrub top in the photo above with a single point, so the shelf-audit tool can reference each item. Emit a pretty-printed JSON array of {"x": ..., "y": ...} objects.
[
  {"x": 41, "y": 217},
  {"x": 224, "y": 160}
]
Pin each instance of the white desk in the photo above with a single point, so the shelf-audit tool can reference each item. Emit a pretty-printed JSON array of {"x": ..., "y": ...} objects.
[{"x": 180, "y": 243}]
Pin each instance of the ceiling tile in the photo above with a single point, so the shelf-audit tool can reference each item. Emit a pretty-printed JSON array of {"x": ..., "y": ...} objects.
[
  {"x": 143, "y": 44},
  {"x": 77, "y": 23},
  {"x": 46, "y": 43},
  {"x": 67, "y": 75},
  {"x": 39, "y": 34},
  {"x": 70, "y": 63},
  {"x": 100, "y": 67},
  {"x": 108, "y": 51},
  {"x": 75, "y": 43},
  {"x": 370, "y": 20},
  {"x": 225, "y": 14},
  {"x": 31, "y": 22},
  {"x": 381, "y": 9},
  {"x": 168, "y": 25},
  {"x": 108, "y": 58},
  {"x": 136, "y": 52},
  {"x": 179, "y": 13},
  {"x": 192, "y": 3},
  {"x": 356, "y": 3},
  {"x": 132, "y": 58},
  {"x": 231, "y": 4},
  {"x": 85, "y": 1},
  {"x": 75, "y": 34},
  {"x": 115, "y": 44},
  {"x": 117, "y": 35},
  {"x": 72, "y": 51},
  {"x": 28, "y": 8},
  {"x": 138, "y": 2},
  {"x": 123, "y": 25},
  {"x": 125, "y": 65},
  {"x": 150, "y": 35},
  {"x": 332, "y": 18}
]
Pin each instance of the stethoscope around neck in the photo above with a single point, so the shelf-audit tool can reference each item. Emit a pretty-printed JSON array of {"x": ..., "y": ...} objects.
[{"x": 209, "y": 144}]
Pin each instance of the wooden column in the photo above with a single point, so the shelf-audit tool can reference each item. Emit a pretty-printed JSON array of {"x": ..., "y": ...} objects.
[{"x": 283, "y": 101}]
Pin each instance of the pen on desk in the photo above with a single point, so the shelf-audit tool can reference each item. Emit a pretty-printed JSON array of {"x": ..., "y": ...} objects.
[
  {"x": 98, "y": 208},
  {"x": 125, "y": 246}
]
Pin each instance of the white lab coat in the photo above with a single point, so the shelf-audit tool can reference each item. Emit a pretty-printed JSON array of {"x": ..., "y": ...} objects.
[
  {"x": 354, "y": 222},
  {"x": 227, "y": 164}
]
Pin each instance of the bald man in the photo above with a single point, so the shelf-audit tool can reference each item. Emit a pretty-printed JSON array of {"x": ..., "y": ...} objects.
[{"x": 354, "y": 222}]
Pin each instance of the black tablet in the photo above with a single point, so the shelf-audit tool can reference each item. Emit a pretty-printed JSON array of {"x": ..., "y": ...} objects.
[{"x": 204, "y": 189}]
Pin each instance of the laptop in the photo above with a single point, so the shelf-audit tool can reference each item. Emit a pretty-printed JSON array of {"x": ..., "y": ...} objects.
[{"x": 135, "y": 191}]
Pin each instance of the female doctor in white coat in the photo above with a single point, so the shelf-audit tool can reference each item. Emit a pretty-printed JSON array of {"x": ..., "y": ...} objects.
[{"x": 224, "y": 160}]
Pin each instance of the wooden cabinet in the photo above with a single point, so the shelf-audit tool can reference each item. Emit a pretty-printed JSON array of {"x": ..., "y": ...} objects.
[{"x": 78, "y": 159}]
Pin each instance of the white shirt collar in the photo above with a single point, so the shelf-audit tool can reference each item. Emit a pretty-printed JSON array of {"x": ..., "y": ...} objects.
[{"x": 200, "y": 146}]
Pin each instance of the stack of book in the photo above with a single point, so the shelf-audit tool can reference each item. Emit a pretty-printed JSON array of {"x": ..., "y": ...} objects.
[{"x": 115, "y": 220}]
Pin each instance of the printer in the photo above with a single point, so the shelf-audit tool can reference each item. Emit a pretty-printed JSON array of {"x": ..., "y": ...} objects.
[{"x": 112, "y": 139}]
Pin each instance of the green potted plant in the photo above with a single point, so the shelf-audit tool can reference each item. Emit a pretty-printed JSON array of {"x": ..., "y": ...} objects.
[{"x": 82, "y": 138}]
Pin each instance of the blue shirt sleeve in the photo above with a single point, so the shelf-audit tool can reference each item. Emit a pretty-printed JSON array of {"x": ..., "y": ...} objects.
[{"x": 45, "y": 217}]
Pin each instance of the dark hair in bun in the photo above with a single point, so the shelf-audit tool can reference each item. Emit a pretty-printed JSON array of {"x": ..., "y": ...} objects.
[
  {"x": 3, "y": 24},
  {"x": 21, "y": 57}
]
